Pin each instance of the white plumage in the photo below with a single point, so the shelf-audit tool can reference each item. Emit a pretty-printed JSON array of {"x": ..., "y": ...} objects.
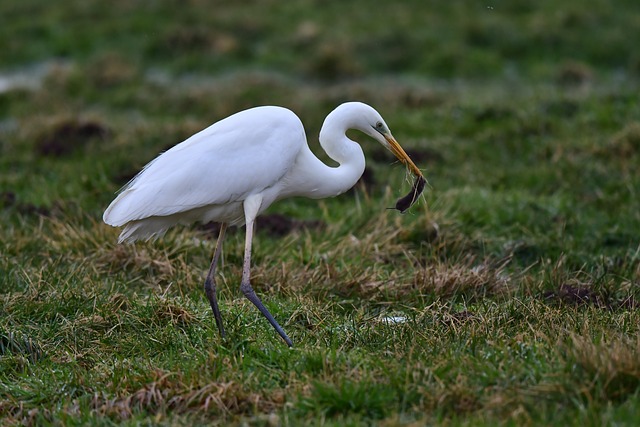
[
  {"x": 207, "y": 176},
  {"x": 233, "y": 170}
]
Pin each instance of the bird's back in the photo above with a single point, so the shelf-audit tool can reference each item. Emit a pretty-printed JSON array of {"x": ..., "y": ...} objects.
[{"x": 210, "y": 173}]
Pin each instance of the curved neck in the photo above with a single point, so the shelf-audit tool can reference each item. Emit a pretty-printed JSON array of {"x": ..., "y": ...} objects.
[
  {"x": 347, "y": 153},
  {"x": 317, "y": 180},
  {"x": 350, "y": 158}
]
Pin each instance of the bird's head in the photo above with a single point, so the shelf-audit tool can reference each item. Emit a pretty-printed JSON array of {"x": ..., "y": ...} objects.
[
  {"x": 372, "y": 124},
  {"x": 359, "y": 116}
]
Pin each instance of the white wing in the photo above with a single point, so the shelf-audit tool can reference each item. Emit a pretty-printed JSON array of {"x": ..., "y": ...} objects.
[{"x": 241, "y": 155}]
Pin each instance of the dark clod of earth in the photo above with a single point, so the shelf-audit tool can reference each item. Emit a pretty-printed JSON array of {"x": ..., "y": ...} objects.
[
  {"x": 64, "y": 137},
  {"x": 275, "y": 225},
  {"x": 8, "y": 200},
  {"x": 578, "y": 295}
]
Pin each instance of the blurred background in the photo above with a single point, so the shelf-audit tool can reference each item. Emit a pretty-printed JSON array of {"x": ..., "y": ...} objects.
[{"x": 325, "y": 41}]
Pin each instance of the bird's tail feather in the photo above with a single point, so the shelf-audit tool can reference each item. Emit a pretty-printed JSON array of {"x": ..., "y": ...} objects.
[{"x": 150, "y": 228}]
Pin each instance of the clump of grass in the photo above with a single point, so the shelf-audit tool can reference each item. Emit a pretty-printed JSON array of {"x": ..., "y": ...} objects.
[
  {"x": 172, "y": 312},
  {"x": 371, "y": 400},
  {"x": 14, "y": 344},
  {"x": 567, "y": 286},
  {"x": 134, "y": 258},
  {"x": 609, "y": 368},
  {"x": 467, "y": 278},
  {"x": 625, "y": 143},
  {"x": 170, "y": 392}
]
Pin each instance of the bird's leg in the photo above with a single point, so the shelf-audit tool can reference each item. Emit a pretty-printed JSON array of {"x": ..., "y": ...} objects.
[
  {"x": 210, "y": 281},
  {"x": 247, "y": 290}
]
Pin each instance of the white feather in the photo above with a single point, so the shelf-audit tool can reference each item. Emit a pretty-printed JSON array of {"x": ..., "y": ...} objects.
[{"x": 211, "y": 172}]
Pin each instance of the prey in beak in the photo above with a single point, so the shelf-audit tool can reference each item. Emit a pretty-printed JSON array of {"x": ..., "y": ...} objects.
[{"x": 407, "y": 201}]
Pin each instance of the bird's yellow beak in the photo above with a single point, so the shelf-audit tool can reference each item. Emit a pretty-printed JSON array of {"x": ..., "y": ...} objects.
[{"x": 397, "y": 150}]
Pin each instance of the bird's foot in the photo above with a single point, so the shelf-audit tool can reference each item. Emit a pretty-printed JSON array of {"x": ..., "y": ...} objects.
[
  {"x": 210, "y": 290},
  {"x": 248, "y": 292}
]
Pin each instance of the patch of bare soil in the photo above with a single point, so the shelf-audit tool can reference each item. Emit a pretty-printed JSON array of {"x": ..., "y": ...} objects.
[
  {"x": 8, "y": 200},
  {"x": 275, "y": 225},
  {"x": 65, "y": 136},
  {"x": 579, "y": 295}
]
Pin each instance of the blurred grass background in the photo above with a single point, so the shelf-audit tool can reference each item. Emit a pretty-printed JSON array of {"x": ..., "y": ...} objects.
[
  {"x": 517, "y": 274},
  {"x": 329, "y": 40}
]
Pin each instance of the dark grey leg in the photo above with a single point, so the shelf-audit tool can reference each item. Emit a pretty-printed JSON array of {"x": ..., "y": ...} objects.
[
  {"x": 247, "y": 290},
  {"x": 210, "y": 281}
]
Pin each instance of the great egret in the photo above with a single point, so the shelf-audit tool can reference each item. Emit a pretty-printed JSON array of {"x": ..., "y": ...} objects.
[{"x": 233, "y": 170}]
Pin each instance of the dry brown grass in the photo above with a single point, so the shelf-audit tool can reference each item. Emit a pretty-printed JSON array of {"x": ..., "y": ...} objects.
[
  {"x": 171, "y": 392},
  {"x": 611, "y": 366},
  {"x": 172, "y": 312},
  {"x": 626, "y": 142},
  {"x": 467, "y": 277},
  {"x": 134, "y": 258}
]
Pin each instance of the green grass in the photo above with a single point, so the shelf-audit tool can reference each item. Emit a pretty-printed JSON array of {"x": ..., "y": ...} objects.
[{"x": 515, "y": 277}]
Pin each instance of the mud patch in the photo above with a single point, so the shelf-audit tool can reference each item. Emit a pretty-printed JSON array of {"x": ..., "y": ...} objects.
[
  {"x": 274, "y": 225},
  {"x": 574, "y": 74},
  {"x": 8, "y": 200},
  {"x": 211, "y": 230},
  {"x": 65, "y": 136},
  {"x": 581, "y": 295},
  {"x": 277, "y": 225},
  {"x": 576, "y": 295}
]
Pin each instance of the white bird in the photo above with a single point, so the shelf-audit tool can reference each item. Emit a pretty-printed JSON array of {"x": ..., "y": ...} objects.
[{"x": 236, "y": 168}]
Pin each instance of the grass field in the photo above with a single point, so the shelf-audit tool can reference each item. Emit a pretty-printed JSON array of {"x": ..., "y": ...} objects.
[{"x": 508, "y": 295}]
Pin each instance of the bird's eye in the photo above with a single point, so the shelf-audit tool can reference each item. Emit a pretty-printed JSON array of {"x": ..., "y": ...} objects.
[{"x": 379, "y": 125}]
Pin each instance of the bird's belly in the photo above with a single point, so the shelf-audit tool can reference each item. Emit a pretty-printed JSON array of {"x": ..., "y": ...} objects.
[{"x": 231, "y": 213}]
